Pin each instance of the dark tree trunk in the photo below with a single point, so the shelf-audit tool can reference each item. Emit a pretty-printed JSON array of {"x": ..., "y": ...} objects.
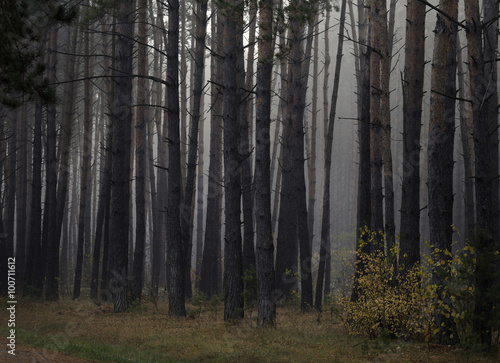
[
  {"x": 187, "y": 210},
  {"x": 105, "y": 182},
  {"x": 211, "y": 267},
  {"x": 10, "y": 181},
  {"x": 440, "y": 148},
  {"x": 409, "y": 254},
  {"x": 35, "y": 226},
  {"x": 84, "y": 176},
  {"x": 311, "y": 205},
  {"x": 120, "y": 186},
  {"x": 21, "y": 193},
  {"x": 467, "y": 144},
  {"x": 325, "y": 221},
  {"x": 51, "y": 243},
  {"x": 245, "y": 122},
  {"x": 363, "y": 218},
  {"x": 385, "y": 112},
  {"x": 377, "y": 214},
  {"x": 485, "y": 123},
  {"x": 157, "y": 198},
  {"x": 265, "y": 246},
  {"x": 175, "y": 257},
  {"x": 140, "y": 157},
  {"x": 287, "y": 243},
  {"x": 233, "y": 259}
]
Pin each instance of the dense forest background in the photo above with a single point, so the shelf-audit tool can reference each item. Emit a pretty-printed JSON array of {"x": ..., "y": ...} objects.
[{"x": 246, "y": 148}]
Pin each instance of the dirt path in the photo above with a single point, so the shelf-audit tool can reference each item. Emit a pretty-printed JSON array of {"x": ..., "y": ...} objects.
[{"x": 27, "y": 354}]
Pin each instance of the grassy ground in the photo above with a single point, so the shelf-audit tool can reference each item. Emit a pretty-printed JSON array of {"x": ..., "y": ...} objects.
[{"x": 148, "y": 334}]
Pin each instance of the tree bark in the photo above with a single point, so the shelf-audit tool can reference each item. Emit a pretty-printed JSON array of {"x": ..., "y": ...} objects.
[
  {"x": 175, "y": 257},
  {"x": 140, "y": 157},
  {"x": 187, "y": 210},
  {"x": 211, "y": 266},
  {"x": 120, "y": 186},
  {"x": 233, "y": 259},
  {"x": 409, "y": 254},
  {"x": 50, "y": 242},
  {"x": 440, "y": 147},
  {"x": 84, "y": 176},
  {"x": 265, "y": 246},
  {"x": 325, "y": 221}
]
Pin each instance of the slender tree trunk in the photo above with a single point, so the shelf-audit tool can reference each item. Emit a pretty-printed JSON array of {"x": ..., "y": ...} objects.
[
  {"x": 189, "y": 195},
  {"x": 363, "y": 217},
  {"x": 21, "y": 193},
  {"x": 183, "y": 84},
  {"x": 210, "y": 269},
  {"x": 265, "y": 246},
  {"x": 440, "y": 147},
  {"x": 105, "y": 180},
  {"x": 325, "y": 221},
  {"x": 156, "y": 196},
  {"x": 175, "y": 257},
  {"x": 84, "y": 176},
  {"x": 246, "y": 125},
  {"x": 491, "y": 108},
  {"x": 35, "y": 226},
  {"x": 140, "y": 157},
  {"x": 10, "y": 181},
  {"x": 3, "y": 239},
  {"x": 314, "y": 117},
  {"x": 485, "y": 123},
  {"x": 385, "y": 110},
  {"x": 467, "y": 144},
  {"x": 377, "y": 220},
  {"x": 413, "y": 86},
  {"x": 120, "y": 187},
  {"x": 233, "y": 259},
  {"x": 51, "y": 243}
]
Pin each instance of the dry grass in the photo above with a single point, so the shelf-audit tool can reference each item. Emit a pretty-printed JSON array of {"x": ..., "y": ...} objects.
[{"x": 148, "y": 334}]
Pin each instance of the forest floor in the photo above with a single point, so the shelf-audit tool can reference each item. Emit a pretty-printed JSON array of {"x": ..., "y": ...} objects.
[{"x": 81, "y": 331}]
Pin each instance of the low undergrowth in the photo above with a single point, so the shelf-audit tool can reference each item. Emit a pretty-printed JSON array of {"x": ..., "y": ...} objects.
[{"x": 82, "y": 329}]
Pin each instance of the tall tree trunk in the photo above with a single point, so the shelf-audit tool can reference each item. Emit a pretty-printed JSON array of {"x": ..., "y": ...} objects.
[
  {"x": 385, "y": 109},
  {"x": 440, "y": 147},
  {"x": 233, "y": 259},
  {"x": 490, "y": 26},
  {"x": 314, "y": 117},
  {"x": 183, "y": 84},
  {"x": 325, "y": 221},
  {"x": 265, "y": 246},
  {"x": 189, "y": 195},
  {"x": 413, "y": 88},
  {"x": 157, "y": 197},
  {"x": 287, "y": 243},
  {"x": 85, "y": 166},
  {"x": 105, "y": 179},
  {"x": 175, "y": 257},
  {"x": 3, "y": 239},
  {"x": 140, "y": 157},
  {"x": 246, "y": 122},
  {"x": 211, "y": 267},
  {"x": 50, "y": 242},
  {"x": 120, "y": 187},
  {"x": 363, "y": 218},
  {"x": 10, "y": 181},
  {"x": 485, "y": 123},
  {"x": 35, "y": 225},
  {"x": 21, "y": 193},
  {"x": 467, "y": 144},
  {"x": 377, "y": 220}
]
